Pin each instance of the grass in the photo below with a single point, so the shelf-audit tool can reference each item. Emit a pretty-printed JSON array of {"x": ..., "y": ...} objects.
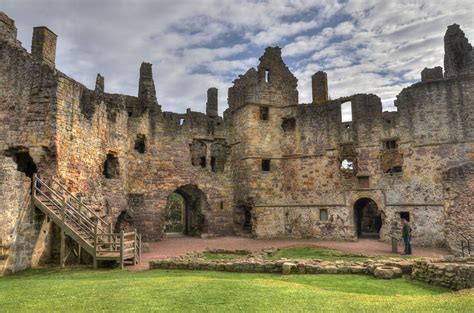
[
  {"x": 210, "y": 256},
  {"x": 79, "y": 290},
  {"x": 324, "y": 254}
]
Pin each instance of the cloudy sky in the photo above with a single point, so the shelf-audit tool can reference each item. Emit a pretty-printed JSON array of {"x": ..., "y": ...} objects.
[{"x": 364, "y": 46}]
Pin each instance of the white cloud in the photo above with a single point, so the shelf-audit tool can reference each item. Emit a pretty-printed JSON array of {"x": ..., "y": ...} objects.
[{"x": 365, "y": 46}]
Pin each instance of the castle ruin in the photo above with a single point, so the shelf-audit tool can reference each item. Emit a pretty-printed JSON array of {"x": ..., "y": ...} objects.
[{"x": 270, "y": 167}]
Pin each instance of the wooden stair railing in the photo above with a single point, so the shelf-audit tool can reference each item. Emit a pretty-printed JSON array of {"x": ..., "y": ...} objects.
[{"x": 84, "y": 226}]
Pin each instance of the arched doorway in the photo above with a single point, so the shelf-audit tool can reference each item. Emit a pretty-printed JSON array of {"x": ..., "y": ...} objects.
[
  {"x": 367, "y": 218},
  {"x": 175, "y": 214},
  {"x": 184, "y": 211}
]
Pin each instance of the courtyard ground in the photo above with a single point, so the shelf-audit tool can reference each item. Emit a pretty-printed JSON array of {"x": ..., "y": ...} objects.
[
  {"x": 85, "y": 290},
  {"x": 176, "y": 246}
]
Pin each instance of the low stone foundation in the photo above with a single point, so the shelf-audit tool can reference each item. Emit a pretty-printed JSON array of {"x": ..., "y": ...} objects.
[
  {"x": 455, "y": 274},
  {"x": 282, "y": 266},
  {"x": 452, "y": 273}
]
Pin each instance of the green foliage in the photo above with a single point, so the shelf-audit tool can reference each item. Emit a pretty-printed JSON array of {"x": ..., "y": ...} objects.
[
  {"x": 174, "y": 213},
  {"x": 323, "y": 254},
  {"x": 188, "y": 291}
]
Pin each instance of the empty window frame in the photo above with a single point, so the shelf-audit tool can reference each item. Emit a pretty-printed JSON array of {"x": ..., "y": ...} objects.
[
  {"x": 140, "y": 144},
  {"x": 267, "y": 75},
  {"x": 266, "y": 165},
  {"x": 394, "y": 169},
  {"x": 264, "y": 112},
  {"x": 346, "y": 111},
  {"x": 405, "y": 215},
  {"x": 202, "y": 161},
  {"x": 288, "y": 124},
  {"x": 347, "y": 165},
  {"x": 111, "y": 166},
  {"x": 390, "y": 145},
  {"x": 323, "y": 215}
]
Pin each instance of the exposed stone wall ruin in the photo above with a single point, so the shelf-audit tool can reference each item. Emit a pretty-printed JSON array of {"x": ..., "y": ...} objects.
[{"x": 280, "y": 168}]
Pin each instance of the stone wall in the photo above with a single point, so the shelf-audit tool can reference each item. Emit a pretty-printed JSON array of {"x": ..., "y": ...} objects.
[
  {"x": 397, "y": 157},
  {"x": 24, "y": 232},
  {"x": 27, "y": 144},
  {"x": 297, "y": 169},
  {"x": 454, "y": 275},
  {"x": 458, "y": 182}
]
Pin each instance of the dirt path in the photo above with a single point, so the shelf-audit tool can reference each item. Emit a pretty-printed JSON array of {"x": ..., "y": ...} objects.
[{"x": 180, "y": 246}]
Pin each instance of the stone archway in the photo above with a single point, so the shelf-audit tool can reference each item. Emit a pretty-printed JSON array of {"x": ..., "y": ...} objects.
[
  {"x": 188, "y": 219},
  {"x": 367, "y": 218}
]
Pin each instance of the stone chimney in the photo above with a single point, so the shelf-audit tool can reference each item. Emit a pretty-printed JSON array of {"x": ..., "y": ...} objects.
[
  {"x": 43, "y": 46},
  {"x": 320, "y": 87},
  {"x": 212, "y": 103},
  {"x": 146, "y": 87},
  {"x": 99, "y": 83}
]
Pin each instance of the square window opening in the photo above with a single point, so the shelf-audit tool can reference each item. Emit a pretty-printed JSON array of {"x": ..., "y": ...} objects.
[
  {"x": 390, "y": 145},
  {"x": 264, "y": 111},
  {"x": 405, "y": 215},
  {"x": 266, "y": 165},
  {"x": 323, "y": 215},
  {"x": 202, "y": 161}
]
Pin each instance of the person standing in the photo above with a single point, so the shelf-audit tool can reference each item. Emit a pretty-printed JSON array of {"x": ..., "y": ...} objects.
[{"x": 406, "y": 234}]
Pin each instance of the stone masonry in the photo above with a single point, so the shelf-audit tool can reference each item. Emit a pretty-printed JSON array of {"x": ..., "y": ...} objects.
[{"x": 272, "y": 167}]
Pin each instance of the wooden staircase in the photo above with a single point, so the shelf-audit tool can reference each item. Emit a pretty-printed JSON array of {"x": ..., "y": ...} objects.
[{"x": 87, "y": 229}]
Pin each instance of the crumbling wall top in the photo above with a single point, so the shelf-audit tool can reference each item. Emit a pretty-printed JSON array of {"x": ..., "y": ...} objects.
[
  {"x": 8, "y": 30},
  {"x": 458, "y": 57}
]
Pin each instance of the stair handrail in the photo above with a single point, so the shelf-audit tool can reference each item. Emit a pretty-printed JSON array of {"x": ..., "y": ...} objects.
[
  {"x": 94, "y": 225},
  {"x": 86, "y": 219},
  {"x": 74, "y": 197}
]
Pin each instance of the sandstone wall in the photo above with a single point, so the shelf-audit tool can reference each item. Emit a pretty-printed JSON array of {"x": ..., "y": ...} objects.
[
  {"x": 24, "y": 232},
  {"x": 27, "y": 128},
  {"x": 458, "y": 184},
  {"x": 398, "y": 157},
  {"x": 93, "y": 124}
]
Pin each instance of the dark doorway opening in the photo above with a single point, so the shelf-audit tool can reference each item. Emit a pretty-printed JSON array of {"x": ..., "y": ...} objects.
[
  {"x": 185, "y": 215},
  {"x": 368, "y": 218},
  {"x": 243, "y": 218}
]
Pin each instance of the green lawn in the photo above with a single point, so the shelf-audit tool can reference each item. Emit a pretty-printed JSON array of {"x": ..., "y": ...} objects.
[
  {"x": 211, "y": 256},
  {"x": 79, "y": 290},
  {"x": 324, "y": 254}
]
